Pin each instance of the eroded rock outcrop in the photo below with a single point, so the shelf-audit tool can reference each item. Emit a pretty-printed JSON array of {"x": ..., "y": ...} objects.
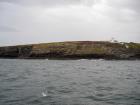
[{"x": 74, "y": 50}]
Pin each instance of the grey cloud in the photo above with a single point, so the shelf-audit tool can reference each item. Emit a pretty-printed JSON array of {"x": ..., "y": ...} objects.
[
  {"x": 131, "y": 4},
  {"x": 42, "y": 2},
  {"x": 27, "y": 21},
  {"x": 51, "y": 3},
  {"x": 7, "y": 29}
]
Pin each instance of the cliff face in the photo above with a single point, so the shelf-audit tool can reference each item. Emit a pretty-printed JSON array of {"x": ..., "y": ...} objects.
[
  {"x": 15, "y": 51},
  {"x": 74, "y": 50}
]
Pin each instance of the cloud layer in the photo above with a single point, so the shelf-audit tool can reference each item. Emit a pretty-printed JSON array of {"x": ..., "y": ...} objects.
[{"x": 34, "y": 21}]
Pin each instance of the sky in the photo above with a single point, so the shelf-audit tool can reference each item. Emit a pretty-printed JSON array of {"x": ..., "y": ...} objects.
[{"x": 42, "y": 21}]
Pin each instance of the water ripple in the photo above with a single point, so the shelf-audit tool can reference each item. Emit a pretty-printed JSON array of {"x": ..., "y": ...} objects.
[{"x": 69, "y": 82}]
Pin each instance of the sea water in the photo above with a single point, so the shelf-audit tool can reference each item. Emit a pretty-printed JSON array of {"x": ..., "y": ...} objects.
[{"x": 69, "y": 82}]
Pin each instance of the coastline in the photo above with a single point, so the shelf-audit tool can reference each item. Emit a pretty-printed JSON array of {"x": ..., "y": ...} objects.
[{"x": 73, "y": 50}]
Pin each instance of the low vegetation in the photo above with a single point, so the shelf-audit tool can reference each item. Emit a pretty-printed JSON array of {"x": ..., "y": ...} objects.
[{"x": 74, "y": 49}]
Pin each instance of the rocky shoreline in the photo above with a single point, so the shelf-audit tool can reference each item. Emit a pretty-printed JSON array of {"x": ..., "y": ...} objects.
[{"x": 73, "y": 50}]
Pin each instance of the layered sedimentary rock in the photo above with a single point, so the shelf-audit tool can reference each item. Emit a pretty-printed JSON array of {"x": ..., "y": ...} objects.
[{"x": 73, "y": 50}]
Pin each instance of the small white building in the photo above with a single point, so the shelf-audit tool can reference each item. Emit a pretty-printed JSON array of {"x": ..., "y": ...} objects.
[
  {"x": 126, "y": 46},
  {"x": 113, "y": 40}
]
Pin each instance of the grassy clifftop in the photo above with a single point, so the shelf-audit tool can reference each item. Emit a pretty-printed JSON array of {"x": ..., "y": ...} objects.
[{"x": 74, "y": 49}]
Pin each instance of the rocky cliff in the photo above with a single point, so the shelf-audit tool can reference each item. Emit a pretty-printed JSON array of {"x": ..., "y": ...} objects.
[{"x": 73, "y": 50}]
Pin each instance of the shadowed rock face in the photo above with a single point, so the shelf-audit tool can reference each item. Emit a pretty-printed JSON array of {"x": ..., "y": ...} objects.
[
  {"x": 74, "y": 50},
  {"x": 9, "y": 52},
  {"x": 15, "y": 51}
]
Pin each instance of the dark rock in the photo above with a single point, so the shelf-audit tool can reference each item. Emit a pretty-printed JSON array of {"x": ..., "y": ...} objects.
[{"x": 74, "y": 50}]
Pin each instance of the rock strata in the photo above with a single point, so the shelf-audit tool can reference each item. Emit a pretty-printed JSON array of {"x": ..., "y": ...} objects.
[{"x": 73, "y": 50}]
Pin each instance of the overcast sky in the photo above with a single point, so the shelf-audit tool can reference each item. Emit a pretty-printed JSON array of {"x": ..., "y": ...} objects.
[{"x": 37, "y": 21}]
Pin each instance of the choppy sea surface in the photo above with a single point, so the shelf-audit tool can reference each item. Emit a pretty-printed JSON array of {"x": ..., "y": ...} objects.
[{"x": 69, "y": 82}]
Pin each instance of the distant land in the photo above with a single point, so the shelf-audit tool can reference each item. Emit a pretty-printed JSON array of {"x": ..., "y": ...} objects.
[{"x": 73, "y": 50}]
